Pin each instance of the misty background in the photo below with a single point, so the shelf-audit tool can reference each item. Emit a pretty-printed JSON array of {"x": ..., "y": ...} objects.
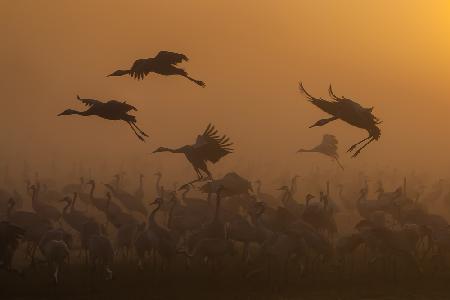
[{"x": 393, "y": 55}]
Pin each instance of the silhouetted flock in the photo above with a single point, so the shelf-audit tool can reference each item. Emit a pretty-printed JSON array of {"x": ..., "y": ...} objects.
[{"x": 215, "y": 224}]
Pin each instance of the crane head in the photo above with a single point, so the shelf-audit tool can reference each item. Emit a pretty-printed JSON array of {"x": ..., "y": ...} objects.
[
  {"x": 158, "y": 200},
  {"x": 161, "y": 149},
  {"x": 309, "y": 197},
  {"x": 284, "y": 188},
  {"x": 67, "y": 112},
  {"x": 119, "y": 73},
  {"x": 65, "y": 199}
]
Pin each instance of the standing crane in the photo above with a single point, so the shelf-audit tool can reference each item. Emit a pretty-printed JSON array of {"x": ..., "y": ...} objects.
[
  {"x": 348, "y": 111},
  {"x": 163, "y": 63},
  {"x": 111, "y": 110}
]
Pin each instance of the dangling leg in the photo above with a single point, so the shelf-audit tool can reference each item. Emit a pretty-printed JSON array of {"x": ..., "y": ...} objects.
[
  {"x": 323, "y": 122},
  {"x": 354, "y": 146},
  {"x": 207, "y": 173},
  {"x": 134, "y": 130},
  {"x": 339, "y": 163},
  {"x": 199, "y": 178},
  {"x": 140, "y": 131},
  {"x": 199, "y": 174},
  {"x": 198, "y": 82},
  {"x": 362, "y": 147}
]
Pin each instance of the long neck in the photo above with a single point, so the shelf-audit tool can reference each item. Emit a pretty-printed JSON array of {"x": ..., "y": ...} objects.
[
  {"x": 141, "y": 183},
  {"x": 258, "y": 187},
  {"x": 216, "y": 215},
  {"x": 363, "y": 196},
  {"x": 294, "y": 185},
  {"x": 28, "y": 183},
  {"x": 158, "y": 185},
  {"x": 306, "y": 150},
  {"x": 169, "y": 220},
  {"x": 184, "y": 195},
  {"x": 77, "y": 112},
  {"x": 117, "y": 181},
  {"x": 328, "y": 188},
  {"x": 179, "y": 150},
  {"x": 72, "y": 206},
  {"x": 66, "y": 208},
  {"x": 91, "y": 193},
  {"x": 151, "y": 218},
  {"x": 34, "y": 196},
  {"x": 10, "y": 208},
  {"x": 286, "y": 196},
  {"x": 112, "y": 189}
]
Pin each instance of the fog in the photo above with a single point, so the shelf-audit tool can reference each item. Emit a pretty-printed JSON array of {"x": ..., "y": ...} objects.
[{"x": 251, "y": 54}]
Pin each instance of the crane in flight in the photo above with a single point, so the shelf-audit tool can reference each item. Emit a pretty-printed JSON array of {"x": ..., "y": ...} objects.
[
  {"x": 110, "y": 110},
  {"x": 348, "y": 111},
  {"x": 327, "y": 147},
  {"x": 164, "y": 63},
  {"x": 209, "y": 147}
]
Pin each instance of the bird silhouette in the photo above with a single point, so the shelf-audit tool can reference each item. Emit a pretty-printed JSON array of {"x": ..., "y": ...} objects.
[
  {"x": 111, "y": 110},
  {"x": 328, "y": 147},
  {"x": 163, "y": 64},
  {"x": 208, "y": 147},
  {"x": 348, "y": 111}
]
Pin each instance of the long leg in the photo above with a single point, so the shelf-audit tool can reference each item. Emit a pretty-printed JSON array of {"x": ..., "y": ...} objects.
[
  {"x": 140, "y": 131},
  {"x": 354, "y": 146},
  {"x": 339, "y": 163},
  {"x": 191, "y": 182},
  {"x": 135, "y": 132},
  {"x": 198, "y": 82},
  {"x": 362, "y": 147},
  {"x": 205, "y": 169}
]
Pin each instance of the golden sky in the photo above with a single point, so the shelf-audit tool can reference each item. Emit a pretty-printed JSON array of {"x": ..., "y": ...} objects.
[{"x": 393, "y": 55}]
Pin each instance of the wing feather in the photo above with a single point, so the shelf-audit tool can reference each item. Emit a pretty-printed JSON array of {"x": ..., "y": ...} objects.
[
  {"x": 140, "y": 68},
  {"x": 212, "y": 147},
  {"x": 328, "y": 146},
  {"x": 171, "y": 58},
  {"x": 89, "y": 102},
  {"x": 120, "y": 106}
]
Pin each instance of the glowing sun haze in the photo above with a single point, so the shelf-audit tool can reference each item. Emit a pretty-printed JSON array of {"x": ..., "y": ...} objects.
[{"x": 393, "y": 55}]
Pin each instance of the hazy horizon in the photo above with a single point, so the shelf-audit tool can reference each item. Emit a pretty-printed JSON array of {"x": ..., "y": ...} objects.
[{"x": 251, "y": 54}]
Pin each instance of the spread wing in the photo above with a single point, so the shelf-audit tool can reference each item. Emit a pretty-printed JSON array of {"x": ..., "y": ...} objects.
[
  {"x": 328, "y": 146},
  {"x": 330, "y": 107},
  {"x": 89, "y": 102},
  {"x": 140, "y": 68},
  {"x": 350, "y": 105},
  {"x": 171, "y": 58},
  {"x": 212, "y": 147},
  {"x": 120, "y": 106}
]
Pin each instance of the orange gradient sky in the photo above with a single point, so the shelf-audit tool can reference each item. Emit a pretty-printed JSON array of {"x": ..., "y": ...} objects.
[{"x": 393, "y": 55}]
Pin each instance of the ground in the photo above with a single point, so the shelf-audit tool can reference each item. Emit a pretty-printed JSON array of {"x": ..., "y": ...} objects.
[{"x": 129, "y": 283}]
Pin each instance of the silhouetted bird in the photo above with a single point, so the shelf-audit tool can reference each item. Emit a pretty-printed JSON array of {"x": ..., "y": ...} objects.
[
  {"x": 208, "y": 147},
  {"x": 163, "y": 64},
  {"x": 348, "y": 111},
  {"x": 231, "y": 184},
  {"x": 111, "y": 110},
  {"x": 328, "y": 147}
]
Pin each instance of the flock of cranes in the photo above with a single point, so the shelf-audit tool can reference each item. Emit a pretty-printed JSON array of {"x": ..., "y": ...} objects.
[
  {"x": 227, "y": 215},
  {"x": 225, "y": 219},
  {"x": 164, "y": 63}
]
